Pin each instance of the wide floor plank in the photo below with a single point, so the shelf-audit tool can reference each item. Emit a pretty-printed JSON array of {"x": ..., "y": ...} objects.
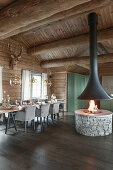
[{"x": 58, "y": 147}]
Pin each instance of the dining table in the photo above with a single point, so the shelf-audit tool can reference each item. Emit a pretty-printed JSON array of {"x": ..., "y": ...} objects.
[{"x": 10, "y": 114}]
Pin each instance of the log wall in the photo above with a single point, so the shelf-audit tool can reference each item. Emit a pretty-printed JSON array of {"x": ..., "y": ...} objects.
[
  {"x": 59, "y": 86},
  {"x": 26, "y": 62}
]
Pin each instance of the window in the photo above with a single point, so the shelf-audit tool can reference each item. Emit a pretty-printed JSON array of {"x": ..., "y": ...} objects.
[
  {"x": 33, "y": 85},
  {"x": 26, "y": 85},
  {"x": 36, "y": 85}
]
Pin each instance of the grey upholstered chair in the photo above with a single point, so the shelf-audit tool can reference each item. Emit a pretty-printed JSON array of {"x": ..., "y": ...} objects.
[
  {"x": 54, "y": 110},
  {"x": 26, "y": 115},
  {"x": 43, "y": 112}
]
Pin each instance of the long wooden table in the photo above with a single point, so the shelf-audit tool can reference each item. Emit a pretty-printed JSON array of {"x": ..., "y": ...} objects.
[{"x": 11, "y": 112}]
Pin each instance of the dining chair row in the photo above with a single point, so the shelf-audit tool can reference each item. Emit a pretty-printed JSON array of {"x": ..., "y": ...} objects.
[{"x": 31, "y": 112}]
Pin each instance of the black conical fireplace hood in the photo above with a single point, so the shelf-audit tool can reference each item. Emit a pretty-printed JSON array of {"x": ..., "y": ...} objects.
[{"x": 93, "y": 90}]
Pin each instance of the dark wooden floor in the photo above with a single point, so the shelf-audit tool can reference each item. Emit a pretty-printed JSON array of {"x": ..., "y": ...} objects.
[{"x": 58, "y": 147}]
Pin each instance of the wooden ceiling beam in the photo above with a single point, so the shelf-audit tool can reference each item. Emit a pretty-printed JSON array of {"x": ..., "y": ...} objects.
[
  {"x": 74, "y": 12},
  {"x": 80, "y": 40},
  {"x": 24, "y": 12},
  {"x": 82, "y": 61}
]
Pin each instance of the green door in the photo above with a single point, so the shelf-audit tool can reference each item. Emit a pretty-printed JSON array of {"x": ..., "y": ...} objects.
[{"x": 76, "y": 83}]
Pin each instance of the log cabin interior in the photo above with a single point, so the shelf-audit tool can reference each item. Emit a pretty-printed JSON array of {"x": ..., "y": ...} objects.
[{"x": 56, "y": 84}]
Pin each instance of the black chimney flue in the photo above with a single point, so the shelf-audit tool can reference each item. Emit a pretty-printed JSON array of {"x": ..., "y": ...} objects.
[{"x": 93, "y": 90}]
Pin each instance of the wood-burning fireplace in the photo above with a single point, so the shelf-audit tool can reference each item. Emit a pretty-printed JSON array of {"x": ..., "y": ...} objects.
[{"x": 92, "y": 121}]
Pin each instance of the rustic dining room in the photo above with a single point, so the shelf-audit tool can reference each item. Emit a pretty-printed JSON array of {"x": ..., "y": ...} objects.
[{"x": 56, "y": 84}]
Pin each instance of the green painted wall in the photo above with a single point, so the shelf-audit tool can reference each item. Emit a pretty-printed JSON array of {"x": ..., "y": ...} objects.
[
  {"x": 107, "y": 105},
  {"x": 76, "y": 83}
]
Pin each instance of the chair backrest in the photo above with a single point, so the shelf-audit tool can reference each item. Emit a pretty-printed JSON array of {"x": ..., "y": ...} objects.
[
  {"x": 30, "y": 113},
  {"x": 37, "y": 111},
  {"x": 61, "y": 106},
  {"x": 55, "y": 108},
  {"x": 25, "y": 101},
  {"x": 45, "y": 110}
]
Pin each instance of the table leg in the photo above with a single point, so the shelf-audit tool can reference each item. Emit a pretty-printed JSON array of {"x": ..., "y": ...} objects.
[
  {"x": 14, "y": 122},
  {"x": 7, "y": 122}
]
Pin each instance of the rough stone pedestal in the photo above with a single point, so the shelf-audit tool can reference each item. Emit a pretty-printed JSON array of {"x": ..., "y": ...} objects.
[{"x": 97, "y": 124}]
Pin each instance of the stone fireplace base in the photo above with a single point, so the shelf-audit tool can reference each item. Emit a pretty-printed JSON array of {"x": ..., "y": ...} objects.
[{"x": 89, "y": 124}]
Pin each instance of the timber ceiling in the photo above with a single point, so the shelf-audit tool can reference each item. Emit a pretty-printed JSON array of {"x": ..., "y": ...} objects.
[
  {"x": 4, "y": 3},
  {"x": 45, "y": 35},
  {"x": 66, "y": 28}
]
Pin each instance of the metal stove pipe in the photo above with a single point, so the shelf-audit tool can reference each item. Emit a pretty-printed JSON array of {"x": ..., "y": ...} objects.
[{"x": 93, "y": 90}]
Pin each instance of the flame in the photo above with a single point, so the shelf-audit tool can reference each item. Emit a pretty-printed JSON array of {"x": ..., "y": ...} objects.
[{"x": 92, "y": 107}]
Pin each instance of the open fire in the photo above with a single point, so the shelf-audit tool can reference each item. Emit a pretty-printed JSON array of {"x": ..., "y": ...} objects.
[{"x": 92, "y": 107}]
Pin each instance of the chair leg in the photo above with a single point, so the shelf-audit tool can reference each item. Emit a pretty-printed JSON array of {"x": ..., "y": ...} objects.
[
  {"x": 63, "y": 113},
  {"x": 34, "y": 124},
  {"x": 41, "y": 123},
  {"x": 26, "y": 123},
  {"x": 25, "y": 126},
  {"x": 40, "y": 120},
  {"x": 14, "y": 122},
  {"x": 54, "y": 116},
  {"x": 44, "y": 119},
  {"x": 57, "y": 116},
  {"x": 47, "y": 121}
]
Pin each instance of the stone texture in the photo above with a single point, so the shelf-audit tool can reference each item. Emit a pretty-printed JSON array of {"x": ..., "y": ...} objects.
[{"x": 93, "y": 125}]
